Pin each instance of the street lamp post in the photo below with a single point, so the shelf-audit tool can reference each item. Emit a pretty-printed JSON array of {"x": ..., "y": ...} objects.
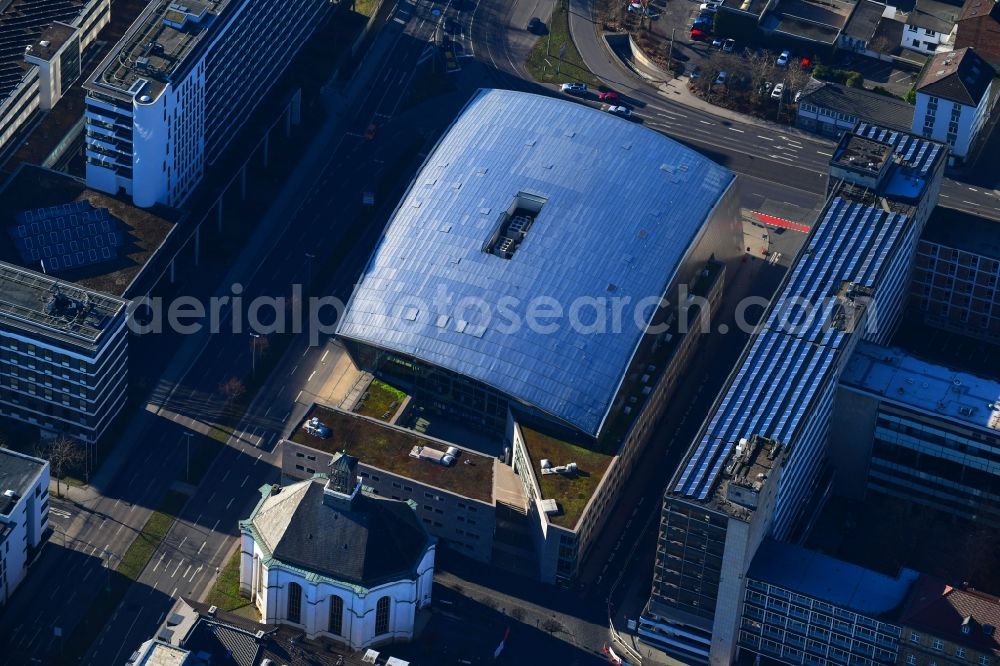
[
  {"x": 187, "y": 468},
  {"x": 253, "y": 352},
  {"x": 309, "y": 259},
  {"x": 107, "y": 565}
]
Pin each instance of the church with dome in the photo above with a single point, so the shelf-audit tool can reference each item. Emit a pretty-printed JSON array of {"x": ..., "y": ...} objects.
[{"x": 328, "y": 557}]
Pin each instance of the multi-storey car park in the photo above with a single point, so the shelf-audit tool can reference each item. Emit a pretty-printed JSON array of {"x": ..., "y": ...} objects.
[
  {"x": 42, "y": 44},
  {"x": 525, "y": 198},
  {"x": 759, "y": 460},
  {"x": 169, "y": 98}
]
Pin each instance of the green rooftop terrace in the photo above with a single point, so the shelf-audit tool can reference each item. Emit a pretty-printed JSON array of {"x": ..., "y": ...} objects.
[
  {"x": 388, "y": 448},
  {"x": 572, "y": 492}
]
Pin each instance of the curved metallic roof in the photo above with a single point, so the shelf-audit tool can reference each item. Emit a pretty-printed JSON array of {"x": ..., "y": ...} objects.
[{"x": 622, "y": 206}]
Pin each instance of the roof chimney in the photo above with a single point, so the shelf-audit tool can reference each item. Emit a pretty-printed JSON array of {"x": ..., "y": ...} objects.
[{"x": 343, "y": 484}]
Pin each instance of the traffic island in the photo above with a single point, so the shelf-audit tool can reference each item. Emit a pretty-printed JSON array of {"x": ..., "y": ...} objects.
[{"x": 554, "y": 57}]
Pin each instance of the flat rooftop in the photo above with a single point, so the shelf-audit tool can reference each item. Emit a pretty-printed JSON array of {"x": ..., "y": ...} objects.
[
  {"x": 571, "y": 491},
  {"x": 140, "y": 232},
  {"x": 387, "y": 447},
  {"x": 43, "y": 305},
  {"x": 963, "y": 231},
  {"x": 897, "y": 377},
  {"x": 862, "y": 154},
  {"x": 21, "y": 25},
  {"x": 156, "y": 48},
  {"x": 837, "y": 582},
  {"x": 18, "y": 473}
]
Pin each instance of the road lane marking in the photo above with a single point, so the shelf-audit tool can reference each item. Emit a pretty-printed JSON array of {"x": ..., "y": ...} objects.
[
  {"x": 155, "y": 566},
  {"x": 187, "y": 571},
  {"x": 323, "y": 358},
  {"x": 224, "y": 476},
  {"x": 705, "y": 122},
  {"x": 733, "y": 129},
  {"x": 245, "y": 481},
  {"x": 202, "y": 546},
  {"x": 973, "y": 189},
  {"x": 766, "y": 138},
  {"x": 179, "y": 564},
  {"x": 230, "y": 503},
  {"x": 820, "y": 152},
  {"x": 296, "y": 400}
]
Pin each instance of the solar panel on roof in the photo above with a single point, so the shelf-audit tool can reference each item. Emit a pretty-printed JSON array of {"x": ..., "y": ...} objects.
[{"x": 49, "y": 230}]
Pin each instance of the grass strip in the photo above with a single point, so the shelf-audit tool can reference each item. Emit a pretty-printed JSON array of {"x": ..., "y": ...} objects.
[
  {"x": 225, "y": 593},
  {"x": 544, "y": 63}
]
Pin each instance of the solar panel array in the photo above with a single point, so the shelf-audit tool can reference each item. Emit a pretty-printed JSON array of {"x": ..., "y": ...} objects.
[
  {"x": 788, "y": 369},
  {"x": 915, "y": 152},
  {"x": 68, "y": 236},
  {"x": 21, "y": 24}
]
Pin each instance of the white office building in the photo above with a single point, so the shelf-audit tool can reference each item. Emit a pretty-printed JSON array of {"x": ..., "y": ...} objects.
[
  {"x": 334, "y": 561},
  {"x": 953, "y": 99},
  {"x": 24, "y": 515},
  {"x": 50, "y": 37},
  {"x": 180, "y": 84}
]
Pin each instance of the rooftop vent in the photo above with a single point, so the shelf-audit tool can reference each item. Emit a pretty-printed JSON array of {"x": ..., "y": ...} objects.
[
  {"x": 445, "y": 458},
  {"x": 565, "y": 470},
  {"x": 513, "y": 226},
  {"x": 549, "y": 506}
]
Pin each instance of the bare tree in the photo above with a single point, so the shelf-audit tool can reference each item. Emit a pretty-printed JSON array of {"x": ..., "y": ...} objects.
[
  {"x": 232, "y": 388},
  {"x": 63, "y": 454},
  {"x": 761, "y": 66}
]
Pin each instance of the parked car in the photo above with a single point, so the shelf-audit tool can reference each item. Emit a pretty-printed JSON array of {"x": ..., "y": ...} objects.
[
  {"x": 702, "y": 22},
  {"x": 706, "y": 14},
  {"x": 536, "y": 26},
  {"x": 710, "y": 5},
  {"x": 316, "y": 428},
  {"x": 784, "y": 58},
  {"x": 698, "y": 35},
  {"x": 805, "y": 64},
  {"x": 765, "y": 88},
  {"x": 620, "y": 111},
  {"x": 728, "y": 46},
  {"x": 694, "y": 73},
  {"x": 798, "y": 96},
  {"x": 574, "y": 88},
  {"x": 720, "y": 80},
  {"x": 778, "y": 91},
  {"x": 608, "y": 96},
  {"x": 716, "y": 43}
]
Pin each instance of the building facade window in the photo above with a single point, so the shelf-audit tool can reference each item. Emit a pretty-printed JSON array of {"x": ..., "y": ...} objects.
[
  {"x": 382, "y": 616},
  {"x": 336, "y": 621},
  {"x": 911, "y": 659},
  {"x": 914, "y": 637},
  {"x": 294, "y": 610},
  {"x": 937, "y": 644}
]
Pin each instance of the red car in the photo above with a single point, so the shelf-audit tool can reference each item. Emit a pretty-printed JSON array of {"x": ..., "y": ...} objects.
[
  {"x": 806, "y": 65},
  {"x": 698, "y": 35},
  {"x": 608, "y": 96}
]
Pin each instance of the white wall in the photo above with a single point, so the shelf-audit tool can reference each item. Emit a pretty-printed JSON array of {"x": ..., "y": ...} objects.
[
  {"x": 28, "y": 521},
  {"x": 916, "y": 39},
  {"x": 358, "y": 623},
  {"x": 971, "y": 121}
]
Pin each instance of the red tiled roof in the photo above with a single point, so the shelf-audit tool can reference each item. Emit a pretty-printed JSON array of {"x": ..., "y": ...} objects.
[{"x": 940, "y": 610}]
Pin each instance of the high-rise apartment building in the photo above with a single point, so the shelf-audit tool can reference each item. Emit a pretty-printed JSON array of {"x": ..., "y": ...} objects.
[
  {"x": 168, "y": 100},
  {"x": 760, "y": 457}
]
